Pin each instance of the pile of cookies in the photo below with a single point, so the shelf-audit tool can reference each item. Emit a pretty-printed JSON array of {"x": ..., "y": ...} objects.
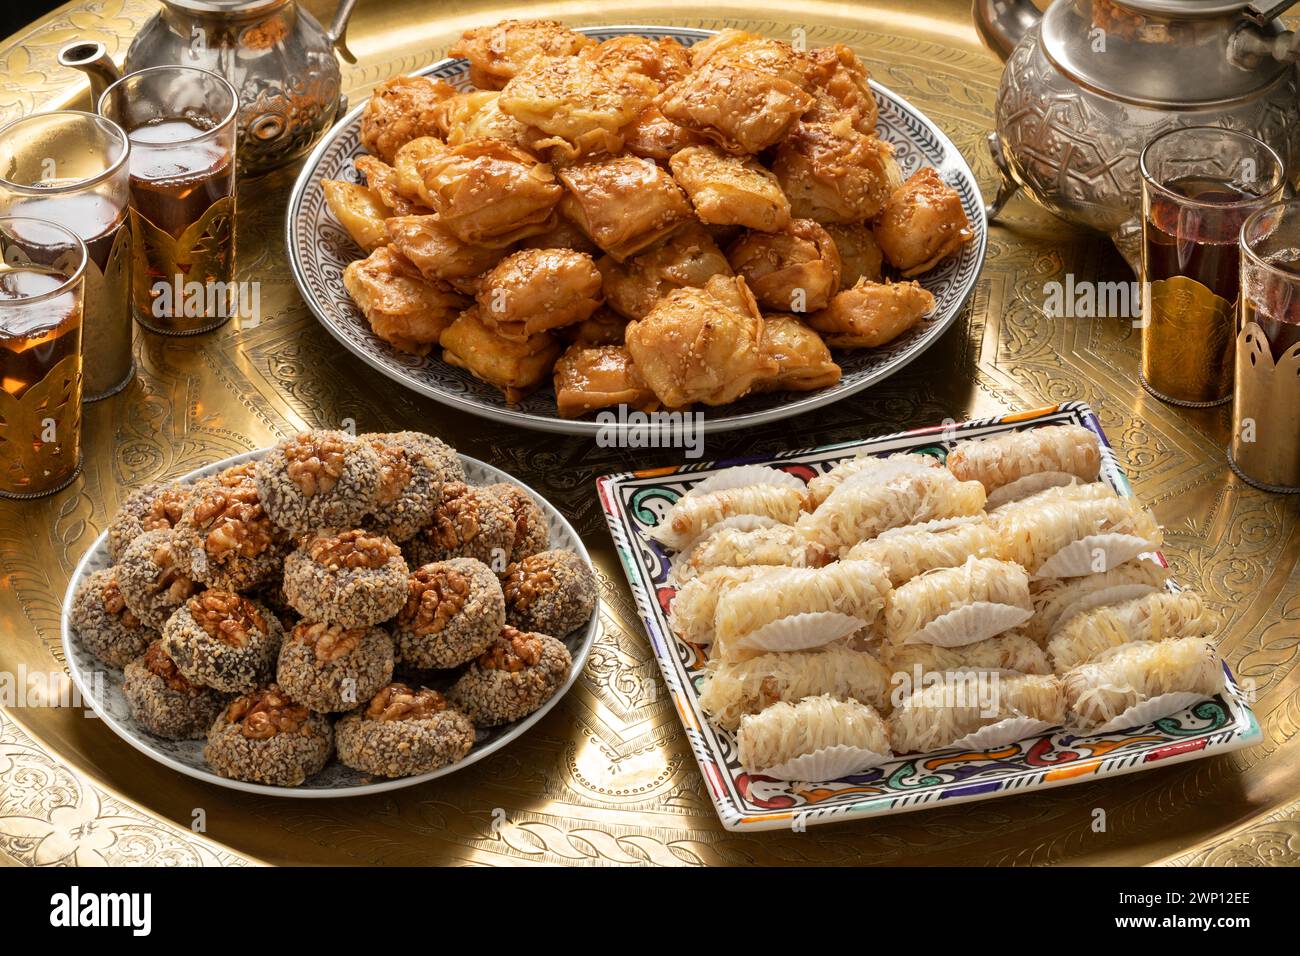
[{"x": 309, "y": 602}]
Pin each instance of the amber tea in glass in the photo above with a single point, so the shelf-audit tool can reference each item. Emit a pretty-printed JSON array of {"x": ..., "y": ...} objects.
[
  {"x": 181, "y": 124},
  {"x": 1199, "y": 184},
  {"x": 42, "y": 268}
]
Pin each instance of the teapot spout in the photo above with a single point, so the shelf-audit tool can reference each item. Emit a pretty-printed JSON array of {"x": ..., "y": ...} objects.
[{"x": 91, "y": 58}]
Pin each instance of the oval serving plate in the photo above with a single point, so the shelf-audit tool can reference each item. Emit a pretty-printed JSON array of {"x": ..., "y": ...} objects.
[
  {"x": 320, "y": 249},
  {"x": 101, "y": 686}
]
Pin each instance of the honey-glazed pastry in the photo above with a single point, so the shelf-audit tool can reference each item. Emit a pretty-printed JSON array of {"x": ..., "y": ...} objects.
[
  {"x": 623, "y": 203},
  {"x": 688, "y": 257},
  {"x": 153, "y": 576},
  {"x": 396, "y": 196},
  {"x": 352, "y": 579},
  {"x": 871, "y": 314},
  {"x": 440, "y": 257},
  {"x": 413, "y": 467},
  {"x": 842, "y": 90},
  {"x": 358, "y": 211},
  {"x": 454, "y": 609},
  {"x": 512, "y": 365},
  {"x": 223, "y": 640},
  {"x": 148, "y": 508},
  {"x": 469, "y": 522},
  {"x": 104, "y": 624},
  {"x": 164, "y": 702},
  {"x": 552, "y": 592},
  {"x": 701, "y": 345},
  {"x": 580, "y": 102},
  {"x": 663, "y": 60},
  {"x": 794, "y": 270},
  {"x": 409, "y": 167},
  {"x": 537, "y": 290},
  {"x": 225, "y": 536},
  {"x": 532, "y": 531},
  {"x": 760, "y": 54},
  {"x": 402, "y": 732},
  {"x": 654, "y": 136},
  {"x": 318, "y": 480},
  {"x": 515, "y": 676},
  {"x": 602, "y": 327},
  {"x": 588, "y": 378},
  {"x": 328, "y": 668},
  {"x": 731, "y": 190},
  {"x": 489, "y": 193},
  {"x": 922, "y": 223},
  {"x": 498, "y": 52},
  {"x": 405, "y": 309},
  {"x": 477, "y": 114},
  {"x": 265, "y": 737},
  {"x": 562, "y": 235},
  {"x": 833, "y": 173},
  {"x": 737, "y": 109},
  {"x": 803, "y": 362},
  {"x": 860, "y": 255},
  {"x": 398, "y": 111}
]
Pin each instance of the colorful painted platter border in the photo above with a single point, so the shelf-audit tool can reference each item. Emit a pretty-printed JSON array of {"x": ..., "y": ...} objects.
[{"x": 634, "y": 503}]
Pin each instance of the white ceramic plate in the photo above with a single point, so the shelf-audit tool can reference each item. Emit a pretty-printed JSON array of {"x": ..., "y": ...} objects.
[
  {"x": 319, "y": 249},
  {"x": 101, "y": 685}
]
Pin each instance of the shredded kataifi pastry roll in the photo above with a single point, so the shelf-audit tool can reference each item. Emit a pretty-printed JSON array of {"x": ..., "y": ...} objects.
[
  {"x": 845, "y": 735},
  {"x": 943, "y": 712},
  {"x": 1013, "y": 465},
  {"x": 866, "y": 468},
  {"x": 735, "y": 688},
  {"x": 694, "y": 514},
  {"x": 916, "y": 548},
  {"x": 1062, "y": 538},
  {"x": 1006, "y": 652},
  {"x": 781, "y": 545},
  {"x": 1156, "y": 617},
  {"x": 961, "y": 605},
  {"x": 1098, "y": 692},
  {"x": 691, "y": 613},
  {"x": 1058, "y": 600}
]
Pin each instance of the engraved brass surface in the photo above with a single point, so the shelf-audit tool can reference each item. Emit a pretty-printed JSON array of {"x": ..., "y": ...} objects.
[{"x": 608, "y": 777}]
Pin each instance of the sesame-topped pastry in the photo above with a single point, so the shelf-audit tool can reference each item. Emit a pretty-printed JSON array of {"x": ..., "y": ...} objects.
[
  {"x": 469, "y": 522},
  {"x": 164, "y": 702},
  {"x": 266, "y": 737},
  {"x": 402, "y": 732},
  {"x": 329, "y": 668},
  {"x": 445, "y": 460},
  {"x": 410, "y": 484},
  {"x": 106, "y": 626},
  {"x": 353, "y": 579},
  {"x": 532, "y": 532},
  {"x": 319, "y": 480},
  {"x": 454, "y": 609},
  {"x": 552, "y": 592},
  {"x": 222, "y": 640},
  {"x": 148, "y": 508},
  {"x": 154, "y": 577},
  {"x": 512, "y": 678},
  {"x": 226, "y": 535}
]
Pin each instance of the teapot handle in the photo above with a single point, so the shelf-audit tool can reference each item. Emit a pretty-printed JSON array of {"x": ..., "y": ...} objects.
[
  {"x": 337, "y": 33},
  {"x": 1002, "y": 23}
]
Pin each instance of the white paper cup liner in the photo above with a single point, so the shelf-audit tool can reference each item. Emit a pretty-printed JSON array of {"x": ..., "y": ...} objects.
[
  {"x": 1117, "y": 594},
  {"x": 1149, "y": 710},
  {"x": 745, "y": 476},
  {"x": 970, "y": 623},
  {"x": 829, "y": 763},
  {"x": 798, "y": 632},
  {"x": 1082, "y": 557},
  {"x": 1026, "y": 486},
  {"x": 1003, "y": 732}
]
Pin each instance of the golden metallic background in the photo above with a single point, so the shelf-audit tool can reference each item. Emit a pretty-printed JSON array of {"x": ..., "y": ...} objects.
[{"x": 607, "y": 777}]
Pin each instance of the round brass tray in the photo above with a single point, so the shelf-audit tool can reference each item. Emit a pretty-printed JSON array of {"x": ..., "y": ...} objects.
[{"x": 607, "y": 776}]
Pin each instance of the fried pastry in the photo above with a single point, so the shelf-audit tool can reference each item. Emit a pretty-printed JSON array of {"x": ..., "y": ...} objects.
[
  {"x": 398, "y": 111},
  {"x": 653, "y": 136},
  {"x": 730, "y": 190},
  {"x": 489, "y": 193},
  {"x": 796, "y": 270},
  {"x": 437, "y": 254},
  {"x": 871, "y": 314},
  {"x": 689, "y": 257},
  {"x": 589, "y": 378},
  {"x": 860, "y": 255},
  {"x": 741, "y": 111},
  {"x": 408, "y": 168},
  {"x": 536, "y": 290},
  {"x": 402, "y": 308},
  {"x": 497, "y": 53},
  {"x": 515, "y": 367},
  {"x": 602, "y": 327},
  {"x": 478, "y": 115},
  {"x": 663, "y": 60},
  {"x": 803, "y": 362},
  {"x": 358, "y": 211},
  {"x": 833, "y": 173},
  {"x": 701, "y": 345},
  {"x": 922, "y": 223},
  {"x": 388, "y": 188},
  {"x": 842, "y": 90},
  {"x": 623, "y": 203}
]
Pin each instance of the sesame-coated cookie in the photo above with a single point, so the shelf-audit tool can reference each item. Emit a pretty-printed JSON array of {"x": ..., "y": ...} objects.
[
  {"x": 148, "y": 508},
  {"x": 403, "y": 732},
  {"x": 328, "y": 668},
  {"x": 265, "y": 737},
  {"x": 220, "y": 639},
  {"x": 164, "y": 702},
  {"x": 469, "y": 522},
  {"x": 512, "y": 678},
  {"x": 106, "y": 626},
  {"x": 532, "y": 532},
  {"x": 410, "y": 484},
  {"x": 319, "y": 480},
  {"x": 454, "y": 610},
  {"x": 154, "y": 578},
  {"x": 353, "y": 579},
  {"x": 553, "y": 592},
  {"x": 225, "y": 534}
]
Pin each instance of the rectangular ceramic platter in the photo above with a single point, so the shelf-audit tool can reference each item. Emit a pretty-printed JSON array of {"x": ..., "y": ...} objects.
[{"x": 635, "y": 502}]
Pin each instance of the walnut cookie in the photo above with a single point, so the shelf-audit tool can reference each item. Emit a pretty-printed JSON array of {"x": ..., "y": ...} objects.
[
  {"x": 353, "y": 579},
  {"x": 512, "y": 678},
  {"x": 454, "y": 609},
  {"x": 219, "y": 639},
  {"x": 265, "y": 737},
  {"x": 402, "y": 732},
  {"x": 319, "y": 480},
  {"x": 225, "y": 535},
  {"x": 330, "y": 668}
]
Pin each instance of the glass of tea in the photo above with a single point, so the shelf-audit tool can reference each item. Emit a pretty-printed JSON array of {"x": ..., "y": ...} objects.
[
  {"x": 1199, "y": 184},
  {"x": 42, "y": 271},
  {"x": 1265, "y": 446},
  {"x": 71, "y": 168},
  {"x": 181, "y": 124}
]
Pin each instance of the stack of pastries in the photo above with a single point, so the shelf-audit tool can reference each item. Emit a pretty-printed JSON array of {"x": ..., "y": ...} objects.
[
  {"x": 903, "y": 604},
  {"x": 650, "y": 225}
]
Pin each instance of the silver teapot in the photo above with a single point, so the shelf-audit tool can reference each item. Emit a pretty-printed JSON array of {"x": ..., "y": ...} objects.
[
  {"x": 274, "y": 53},
  {"x": 1089, "y": 82}
]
